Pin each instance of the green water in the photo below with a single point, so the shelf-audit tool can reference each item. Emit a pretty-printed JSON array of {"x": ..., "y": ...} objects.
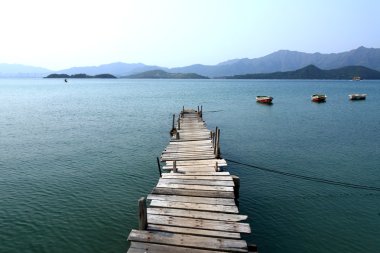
[{"x": 75, "y": 158}]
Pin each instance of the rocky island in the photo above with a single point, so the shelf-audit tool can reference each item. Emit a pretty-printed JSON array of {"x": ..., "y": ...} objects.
[{"x": 79, "y": 76}]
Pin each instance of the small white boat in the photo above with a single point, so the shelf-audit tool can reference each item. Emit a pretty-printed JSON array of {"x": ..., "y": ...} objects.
[{"x": 357, "y": 96}]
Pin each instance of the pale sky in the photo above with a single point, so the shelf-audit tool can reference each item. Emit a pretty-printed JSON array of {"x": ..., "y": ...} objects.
[{"x": 58, "y": 34}]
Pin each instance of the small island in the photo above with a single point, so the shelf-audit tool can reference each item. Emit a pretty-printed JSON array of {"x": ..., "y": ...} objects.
[
  {"x": 160, "y": 74},
  {"x": 80, "y": 76}
]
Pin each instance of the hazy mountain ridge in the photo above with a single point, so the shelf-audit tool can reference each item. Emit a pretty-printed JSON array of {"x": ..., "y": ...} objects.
[
  {"x": 160, "y": 74},
  {"x": 282, "y": 60},
  {"x": 285, "y": 60},
  {"x": 20, "y": 70},
  {"x": 116, "y": 69}
]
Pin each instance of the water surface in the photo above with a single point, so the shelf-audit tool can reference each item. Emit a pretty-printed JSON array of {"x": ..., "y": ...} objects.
[{"x": 74, "y": 159}]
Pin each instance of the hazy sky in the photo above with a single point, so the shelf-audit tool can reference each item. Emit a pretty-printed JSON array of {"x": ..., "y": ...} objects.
[{"x": 57, "y": 34}]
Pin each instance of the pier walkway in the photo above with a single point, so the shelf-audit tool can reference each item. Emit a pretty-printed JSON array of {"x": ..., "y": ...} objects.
[{"x": 193, "y": 206}]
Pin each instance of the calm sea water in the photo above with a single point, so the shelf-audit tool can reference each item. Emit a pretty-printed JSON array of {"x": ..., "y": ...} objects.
[{"x": 74, "y": 159}]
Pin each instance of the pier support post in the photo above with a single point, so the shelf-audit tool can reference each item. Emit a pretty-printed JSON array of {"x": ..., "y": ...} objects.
[
  {"x": 252, "y": 248},
  {"x": 177, "y": 135},
  {"x": 217, "y": 169},
  {"x": 236, "y": 180},
  {"x": 201, "y": 111},
  {"x": 159, "y": 166},
  {"x": 143, "y": 218},
  {"x": 217, "y": 151},
  {"x": 174, "y": 130},
  {"x": 215, "y": 139},
  {"x": 179, "y": 123},
  {"x": 174, "y": 167}
]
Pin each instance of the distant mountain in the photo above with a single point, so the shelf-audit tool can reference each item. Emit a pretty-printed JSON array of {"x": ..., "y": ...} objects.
[
  {"x": 160, "y": 74},
  {"x": 312, "y": 72},
  {"x": 19, "y": 70},
  {"x": 80, "y": 76},
  {"x": 116, "y": 69},
  {"x": 285, "y": 60}
]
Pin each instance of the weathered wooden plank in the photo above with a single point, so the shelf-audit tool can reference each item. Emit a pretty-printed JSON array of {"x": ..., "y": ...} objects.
[
  {"x": 175, "y": 221},
  {"x": 194, "y": 146},
  {"x": 196, "y": 193},
  {"x": 190, "y": 181},
  {"x": 195, "y": 132},
  {"x": 204, "y": 200},
  {"x": 197, "y": 214},
  {"x": 163, "y": 159},
  {"x": 181, "y": 140},
  {"x": 142, "y": 247},
  {"x": 195, "y": 187},
  {"x": 194, "y": 206},
  {"x": 184, "y": 170},
  {"x": 197, "y": 177},
  {"x": 190, "y": 143},
  {"x": 193, "y": 169},
  {"x": 188, "y": 140},
  {"x": 209, "y": 151},
  {"x": 199, "y": 162},
  {"x": 194, "y": 231},
  {"x": 189, "y": 154},
  {"x": 189, "y": 147},
  {"x": 191, "y": 241},
  {"x": 195, "y": 173}
]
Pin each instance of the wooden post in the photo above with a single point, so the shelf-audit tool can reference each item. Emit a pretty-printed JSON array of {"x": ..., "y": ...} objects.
[
  {"x": 218, "y": 145},
  {"x": 159, "y": 166},
  {"x": 211, "y": 135},
  {"x": 201, "y": 111},
  {"x": 214, "y": 140},
  {"x": 143, "y": 218},
  {"x": 216, "y": 167},
  {"x": 179, "y": 124},
  {"x": 183, "y": 109},
  {"x": 198, "y": 110},
  {"x": 173, "y": 121},
  {"x": 252, "y": 248},
  {"x": 236, "y": 180},
  {"x": 177, "y": 135},
  {"x": 174, "y": 167}
]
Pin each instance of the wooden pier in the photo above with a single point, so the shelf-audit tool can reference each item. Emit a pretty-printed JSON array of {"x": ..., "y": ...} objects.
[{"x": 193, "y": 206}]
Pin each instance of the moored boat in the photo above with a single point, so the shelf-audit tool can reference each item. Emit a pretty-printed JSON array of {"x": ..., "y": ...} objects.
[
  {"x": 264, "y": 99},
  {"x": 356, "y": 78},
  {"x": 318, "y": 98},
  {"x": 357, "y": 96}
]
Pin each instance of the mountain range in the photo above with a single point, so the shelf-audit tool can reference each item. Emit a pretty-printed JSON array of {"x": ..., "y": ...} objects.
[
  {"x": 160, "y": 74},
  {"x": 279, "y": 61}
]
